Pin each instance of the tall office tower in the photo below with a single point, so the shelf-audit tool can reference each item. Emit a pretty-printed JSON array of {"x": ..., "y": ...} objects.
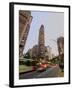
[
  {"x": 25, "y": 20},
  {"x": 41, "y": 43},
  {"x": 60, "y": 43}
]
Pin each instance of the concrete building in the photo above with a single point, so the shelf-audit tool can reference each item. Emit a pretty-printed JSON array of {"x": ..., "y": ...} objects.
[
  {"x": 35, "y": 51},
  {"x": 25, "y": 20},
  {"x": 41, "y": 42},
  {"x": 48, "y": 53},
  {"x": 60, "y": 43},
  {"x": 30, "y": 52}
]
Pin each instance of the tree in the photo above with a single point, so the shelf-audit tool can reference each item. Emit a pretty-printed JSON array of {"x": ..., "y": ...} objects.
[{"x": 27, "y": 55}]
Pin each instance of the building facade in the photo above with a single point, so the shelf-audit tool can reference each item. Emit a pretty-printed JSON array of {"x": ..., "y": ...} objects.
[
  {"x": 35, "y": 51},
  {"x": 60, "y": 43},
  {"x": 25, "y": 20},
  {"x": 41, "y": 42},
  {"x": 48, "y": 53}
]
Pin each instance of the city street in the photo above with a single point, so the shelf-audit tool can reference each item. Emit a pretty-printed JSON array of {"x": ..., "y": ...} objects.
[
  {"x": 50, "y": 72},
  {"x": 37, "y": 47}
]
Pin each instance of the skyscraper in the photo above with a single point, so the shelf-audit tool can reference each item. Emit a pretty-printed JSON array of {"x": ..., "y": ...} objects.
[
  {"x": 25, "y": 19},
  {"x": 41, "y": 43},
  {"x": 60, "y": 43}
]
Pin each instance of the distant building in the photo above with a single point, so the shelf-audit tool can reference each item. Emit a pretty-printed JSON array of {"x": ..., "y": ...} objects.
[
  {"x": 48, "y": 53},
  {"x": 35, "y": 51},
  {"x": 30, "y": 52},
  {"x": 41, "y": 42},
  {"x": 25, "y": 19},
  {"x": 53, "y": 55}
]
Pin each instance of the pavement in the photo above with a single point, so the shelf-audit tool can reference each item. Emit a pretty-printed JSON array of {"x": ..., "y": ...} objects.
[{"x": 50, "y": 72}]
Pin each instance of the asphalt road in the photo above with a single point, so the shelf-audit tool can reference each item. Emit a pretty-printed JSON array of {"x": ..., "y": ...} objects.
[{"x": 50, "y": 72}]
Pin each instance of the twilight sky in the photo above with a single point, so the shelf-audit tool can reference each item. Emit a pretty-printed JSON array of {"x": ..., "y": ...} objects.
[{"x": 53, "y": 28}]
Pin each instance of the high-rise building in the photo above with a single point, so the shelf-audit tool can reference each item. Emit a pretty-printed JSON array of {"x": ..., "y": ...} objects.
[
  {"x": 48, "y": 52},
  {"x": 41, "y": 42},
  {"x": 35, "y": 51},
  {"x": 60, "y": 43},
  {"x": 25, "y": 19}
]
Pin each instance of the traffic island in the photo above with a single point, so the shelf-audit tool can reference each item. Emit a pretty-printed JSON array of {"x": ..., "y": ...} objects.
[{"x": 25, "y": 69}]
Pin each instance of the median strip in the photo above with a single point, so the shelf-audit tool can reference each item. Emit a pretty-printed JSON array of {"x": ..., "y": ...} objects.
[{"x": 25, "y": 69}]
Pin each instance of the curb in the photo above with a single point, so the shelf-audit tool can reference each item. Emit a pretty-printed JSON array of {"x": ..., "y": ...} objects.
[{"x": 27, "y": 72}]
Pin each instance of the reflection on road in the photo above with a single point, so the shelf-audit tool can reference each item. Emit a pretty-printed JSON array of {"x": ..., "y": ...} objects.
[{"x": 49, "y": 72}]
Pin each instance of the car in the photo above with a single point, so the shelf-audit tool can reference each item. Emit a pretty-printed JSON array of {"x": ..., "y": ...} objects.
[
  {"x": 34, "y": 68},
  {"x": 42, "y": 67}
]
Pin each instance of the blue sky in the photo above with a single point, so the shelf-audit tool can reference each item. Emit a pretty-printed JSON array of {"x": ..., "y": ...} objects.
[{"x": 53, "y": 28}]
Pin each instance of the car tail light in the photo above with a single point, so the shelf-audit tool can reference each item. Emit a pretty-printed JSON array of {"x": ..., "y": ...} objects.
[{"x": 45, "y": 66}]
